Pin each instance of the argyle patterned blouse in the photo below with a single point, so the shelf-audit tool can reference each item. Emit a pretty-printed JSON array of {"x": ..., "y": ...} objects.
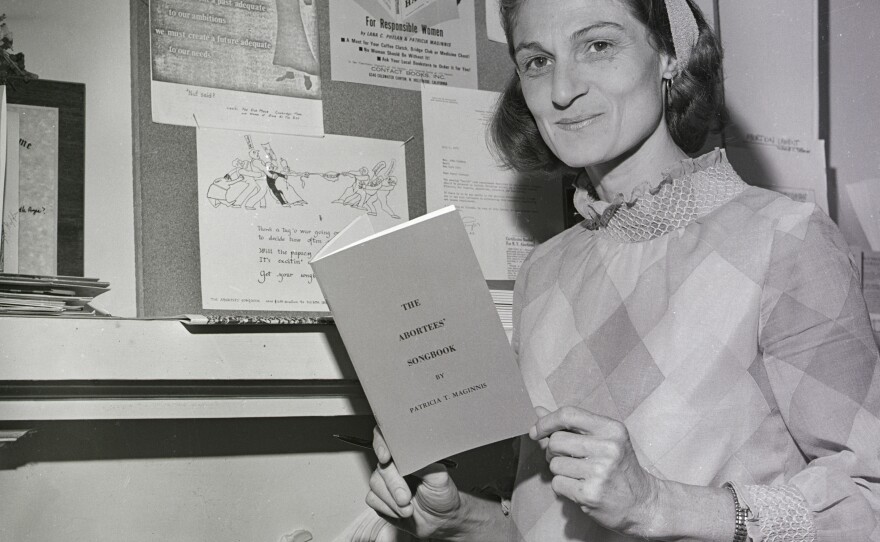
[{"x": 725, "y": 326}]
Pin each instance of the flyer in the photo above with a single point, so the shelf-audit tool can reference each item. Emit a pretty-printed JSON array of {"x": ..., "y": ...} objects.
[
  {"x": 403, "y": 43},
  {"x": 506, "y": 213},
  {"x": 269, "y": 202},
  {"x": 247, "y": 65}
]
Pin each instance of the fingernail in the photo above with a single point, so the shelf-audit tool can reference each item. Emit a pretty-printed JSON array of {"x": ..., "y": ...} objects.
[
  {"x": 533, "y": 432},
  {"x": 400, "y": 496}
]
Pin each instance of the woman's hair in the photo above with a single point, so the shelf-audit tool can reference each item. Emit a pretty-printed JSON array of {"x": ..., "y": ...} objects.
[{"x": 692, "y": 105}]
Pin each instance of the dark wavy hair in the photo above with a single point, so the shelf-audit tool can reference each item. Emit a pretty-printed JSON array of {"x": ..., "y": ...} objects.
[{"x": 693, "y": 104}]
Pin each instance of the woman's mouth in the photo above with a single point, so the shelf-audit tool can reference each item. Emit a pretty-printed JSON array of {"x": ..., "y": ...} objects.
[{"x": 573, "y": 124}]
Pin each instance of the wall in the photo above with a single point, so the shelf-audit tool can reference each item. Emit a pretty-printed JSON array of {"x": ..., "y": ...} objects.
[
  {"x": 853, "y": 105},
  {"x": 252, "y": 480},
  {"x": 89, "y": 42}
]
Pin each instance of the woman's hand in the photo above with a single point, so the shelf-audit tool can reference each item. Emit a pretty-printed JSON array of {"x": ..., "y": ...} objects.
[
  {"x": 426, "y": 506},
  {"x": 594, "y": 465}
]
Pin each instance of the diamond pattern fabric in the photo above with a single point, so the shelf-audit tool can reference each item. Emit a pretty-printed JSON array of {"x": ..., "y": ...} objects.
[{"x": 725, "y": 326}]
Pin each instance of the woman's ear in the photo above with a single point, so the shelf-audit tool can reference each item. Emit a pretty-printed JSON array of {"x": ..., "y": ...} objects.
[{"x": 668, "y": 66}]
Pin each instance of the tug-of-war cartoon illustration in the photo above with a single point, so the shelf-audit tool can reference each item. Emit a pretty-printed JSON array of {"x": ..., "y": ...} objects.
[{"x": 250, "y": 181}]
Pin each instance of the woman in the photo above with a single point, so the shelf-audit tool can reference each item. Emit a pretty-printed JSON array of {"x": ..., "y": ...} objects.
[{"x": 698, "y": 350}]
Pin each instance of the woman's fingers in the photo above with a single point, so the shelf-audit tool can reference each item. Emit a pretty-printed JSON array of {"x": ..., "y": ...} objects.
[
  {"x": 575, "y": 420},
  {"x": 380, "y": 447},
  {"x": 381, "y": 507},
  {"x": 389, "y": 487}
]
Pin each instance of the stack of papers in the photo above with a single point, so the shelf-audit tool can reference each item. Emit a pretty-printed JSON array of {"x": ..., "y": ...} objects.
[
  {"x": 43, "y": 295},
  {"x": 502, "y": 295}
]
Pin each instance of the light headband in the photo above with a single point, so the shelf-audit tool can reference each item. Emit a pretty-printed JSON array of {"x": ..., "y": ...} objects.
[{"x": 684, "y": 30}]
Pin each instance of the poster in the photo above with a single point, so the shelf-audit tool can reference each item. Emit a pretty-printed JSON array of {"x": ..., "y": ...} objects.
[
  {"x": 506, "y": 213},
  {"x": 403, "y": 43},
  {"x": 30, "y": 211},
  {"x": 248, "y": 65},
  {"x": 268, "y": 203}
]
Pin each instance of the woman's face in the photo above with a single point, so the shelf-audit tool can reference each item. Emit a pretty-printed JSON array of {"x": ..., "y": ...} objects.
[{"x": 590, "y": 77}]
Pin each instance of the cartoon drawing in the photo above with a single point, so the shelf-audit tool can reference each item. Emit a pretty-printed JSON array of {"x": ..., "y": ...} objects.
[
  {"x": 238, "y": 181},
  {"x": 377, "y": 190},
  {"x": 285, "y": 173},
  {"x": 349, "y": 195},
  {"x": 250, "y": 181}
]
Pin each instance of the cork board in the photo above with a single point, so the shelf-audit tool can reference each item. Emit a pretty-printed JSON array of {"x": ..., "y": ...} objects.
[{"x": 165, "y": 172}]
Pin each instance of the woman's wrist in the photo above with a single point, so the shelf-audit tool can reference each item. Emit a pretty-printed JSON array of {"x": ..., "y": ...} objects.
[{"x": 687, "y": 513}]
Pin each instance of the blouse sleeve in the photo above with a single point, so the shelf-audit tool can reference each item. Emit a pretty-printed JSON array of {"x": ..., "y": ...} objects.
[{"x": 822, "y": 362}]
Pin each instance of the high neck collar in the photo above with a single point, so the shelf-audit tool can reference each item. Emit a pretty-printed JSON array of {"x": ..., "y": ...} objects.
[{"x": 690, "y": 189}]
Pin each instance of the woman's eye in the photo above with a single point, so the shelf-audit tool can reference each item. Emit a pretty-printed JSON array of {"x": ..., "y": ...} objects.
[
  {"x": 599, "y": 47},
  {"x": 536, "y": 63}
]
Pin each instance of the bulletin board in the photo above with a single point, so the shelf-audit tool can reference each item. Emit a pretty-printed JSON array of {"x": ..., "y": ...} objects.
[{"x": 165, "y": 162}]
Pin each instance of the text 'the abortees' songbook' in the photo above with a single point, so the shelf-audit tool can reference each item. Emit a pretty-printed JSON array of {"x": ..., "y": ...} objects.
[{"x": 419, "y": 324}]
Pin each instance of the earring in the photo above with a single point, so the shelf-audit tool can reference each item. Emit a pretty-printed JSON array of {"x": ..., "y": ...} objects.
[{"x": 667, "y": 88}]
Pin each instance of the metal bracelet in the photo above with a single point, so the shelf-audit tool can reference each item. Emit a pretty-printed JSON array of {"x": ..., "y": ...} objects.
[{"x": 740, "y": 533}]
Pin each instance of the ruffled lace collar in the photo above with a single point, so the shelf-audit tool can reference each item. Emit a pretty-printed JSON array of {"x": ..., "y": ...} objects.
[{"x": 690, "y": 189}]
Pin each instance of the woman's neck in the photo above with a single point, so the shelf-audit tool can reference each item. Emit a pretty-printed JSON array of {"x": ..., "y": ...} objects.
[{"x": 644, "y": 163}]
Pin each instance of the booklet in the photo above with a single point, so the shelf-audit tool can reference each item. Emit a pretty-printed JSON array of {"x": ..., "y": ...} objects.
[{"x": 418, "y": 322}]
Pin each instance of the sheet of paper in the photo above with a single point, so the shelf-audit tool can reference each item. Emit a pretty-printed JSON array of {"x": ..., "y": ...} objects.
[
  {"x": 494, "y": 29},
  {"x": 793, "y": 167},
  {"x": 10, "y": 199},
  {"x": 4, "y": 121},
  {"x": 776, "y": 97},
  {"x": 37, "y": 216},
  {"x": 246, "y": 65},
  {"x": 865, "y": 198},
  {"x": 772, "y": 136},
  {"x": 379, "y": 42},
  {"x": 506, "y": 213},
  {"x": 871, "y": 285},
  {"x": 257, "y": 233}
]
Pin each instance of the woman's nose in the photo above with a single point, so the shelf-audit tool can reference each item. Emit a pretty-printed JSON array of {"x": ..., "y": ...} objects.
[{"x": 569, "y": 83}]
